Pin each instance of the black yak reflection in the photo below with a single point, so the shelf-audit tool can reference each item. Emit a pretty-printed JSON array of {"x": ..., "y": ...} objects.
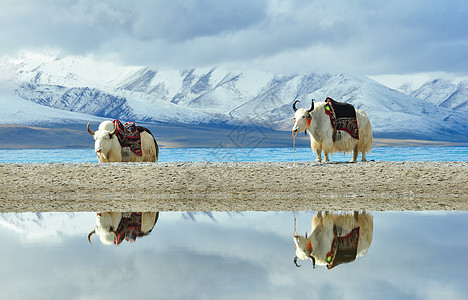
[
  {"x": 115, "y": 227},
  {"x": 335, "y": 238}
]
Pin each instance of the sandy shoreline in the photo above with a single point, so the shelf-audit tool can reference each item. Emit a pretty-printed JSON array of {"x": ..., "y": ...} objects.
[{"x": 245, "y": 186}]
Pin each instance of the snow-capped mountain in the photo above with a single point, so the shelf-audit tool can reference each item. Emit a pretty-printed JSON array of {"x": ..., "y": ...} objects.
[
  {"x": 87, "y": 89},
  {"x": 76, "y": 99},
  {"x": 448, "y": 93}
]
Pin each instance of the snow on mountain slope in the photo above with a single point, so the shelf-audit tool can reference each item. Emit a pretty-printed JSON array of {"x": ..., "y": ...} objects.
[
  {"x": 211, "y": 96},
  {"x": 390, "y": 111},
  {"x": 84, "y": 86},
  {"x": 213, "y": 91},
  {"x": 71, "y": 71},
  {"x": 18, "y": 111},
  {"x": 76, "y": 99},
  {"x": 452, "y": 94}
]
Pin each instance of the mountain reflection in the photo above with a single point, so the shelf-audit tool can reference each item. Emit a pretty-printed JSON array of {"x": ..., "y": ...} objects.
[
  {"x": 115, "y": 227},
  {"x": 336, "y": 238}
]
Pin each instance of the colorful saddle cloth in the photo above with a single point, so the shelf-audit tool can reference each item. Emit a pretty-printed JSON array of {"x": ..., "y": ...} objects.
[
  {"x": 343, "y": 249},
  {"x": 128, "y": 136},
  {"x": 343, "y": 117},
  {"x": 129, "y": 228}
]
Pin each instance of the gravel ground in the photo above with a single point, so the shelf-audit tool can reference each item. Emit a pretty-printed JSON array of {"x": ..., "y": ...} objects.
[{"x": 244, "y": 186}]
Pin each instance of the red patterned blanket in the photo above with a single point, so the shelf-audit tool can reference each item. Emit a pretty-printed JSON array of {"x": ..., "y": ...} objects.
[
  {"x": 343, "y": 249},
  {"x": 129, "y": 228},
  {"x": 343, "y": 117},
  {"x": 128, "y": 136}
]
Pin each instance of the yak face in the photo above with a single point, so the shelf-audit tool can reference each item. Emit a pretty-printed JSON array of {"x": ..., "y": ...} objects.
[
  {"x": 106, "y": 235},
  {"x": 302, "y": 117},
  {"x": 102, "y": 142},
  {"x": 302, "y": 120},
  {"x": 104, "y": 228},
  {"x": 103, "y": 220},
  {"x": 102, "y": 138},
  {"x": 303, "y": 249}
]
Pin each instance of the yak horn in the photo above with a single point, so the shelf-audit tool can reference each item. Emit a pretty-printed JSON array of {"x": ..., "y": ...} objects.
[
  {"x": 89, "y": 130},
  {"x": 113, "y": 131},
  {"x": 295, "y": 262},
  {"x": 313, "y": 261},
  {"x": 311, "y": 106},
  {"x": 90, "y": 234},
  {"x": 294, "y": 104}
]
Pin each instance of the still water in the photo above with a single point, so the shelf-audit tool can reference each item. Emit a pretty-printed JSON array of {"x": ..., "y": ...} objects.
[
  {"x": 239, "y": 255},
  {"x": 240, "y": 154},
  {"x": 236, "y": 255}
]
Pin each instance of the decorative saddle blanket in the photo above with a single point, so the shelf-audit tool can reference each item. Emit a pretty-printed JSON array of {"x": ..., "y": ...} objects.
[
  {"x": 128, "y": 136},
  {"x": 343, "y": 117},
  {"x": 129, "y": 228},
  {"x": 343, "y": 249}
]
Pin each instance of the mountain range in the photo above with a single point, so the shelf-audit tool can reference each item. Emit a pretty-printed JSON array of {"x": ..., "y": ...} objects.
[
  {"x": 181, "y": 106},
  {"x": 447, "y": 93}
]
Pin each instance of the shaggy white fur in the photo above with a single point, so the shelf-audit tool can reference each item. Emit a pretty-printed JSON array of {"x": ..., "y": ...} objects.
[
  {"x": 320, "y": 132},
  {"x": 319, "y": 242},
  {"x": 108, "y": 222},
  {"x": 108, "y": 148}
]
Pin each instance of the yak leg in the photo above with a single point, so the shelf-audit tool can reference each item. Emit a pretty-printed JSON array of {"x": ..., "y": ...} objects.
[
  {"x": 319, "y": 155},
  {"x": 363, "y": 155},
  {"x": 355, "y": 154},
  {"x": 326, "y": 156}
]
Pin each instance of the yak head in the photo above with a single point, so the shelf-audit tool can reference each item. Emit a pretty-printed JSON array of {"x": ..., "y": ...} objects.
[
  {"x": 104, "y": 229},
  {"x": 103, "y": 138},
  {"x": 303, "y": 249},
  {"x": 302, "y": 117}
]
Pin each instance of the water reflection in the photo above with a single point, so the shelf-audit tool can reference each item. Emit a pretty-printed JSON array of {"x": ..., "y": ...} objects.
[
  {"x": 335, "y": 238},
  {"x": 230, "y": 255},
  {"x": 115, "y": 227}
]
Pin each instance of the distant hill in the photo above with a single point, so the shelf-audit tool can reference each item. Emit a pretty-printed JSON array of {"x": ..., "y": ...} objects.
[
  {"x": 68, "y": 92},
  {"x": 451, "y": 94}
]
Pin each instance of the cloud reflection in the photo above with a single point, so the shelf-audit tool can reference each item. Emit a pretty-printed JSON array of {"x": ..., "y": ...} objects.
[{"x": 246, "y": 255}]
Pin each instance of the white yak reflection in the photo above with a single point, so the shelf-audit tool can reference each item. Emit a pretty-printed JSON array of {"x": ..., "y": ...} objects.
[
  {"x": 115, "y": 227},
  {"x": 335, "y": 238}
]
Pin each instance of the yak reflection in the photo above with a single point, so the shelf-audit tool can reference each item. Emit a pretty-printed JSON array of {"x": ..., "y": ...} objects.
[
  {"x": 336, "y": 238},
  {"x": 115, "y": 227}
]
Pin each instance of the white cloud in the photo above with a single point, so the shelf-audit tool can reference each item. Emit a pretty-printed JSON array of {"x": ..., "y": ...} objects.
[{"x": 370, "y": 37}]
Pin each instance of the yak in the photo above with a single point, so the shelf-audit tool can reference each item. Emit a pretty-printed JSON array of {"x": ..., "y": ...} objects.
[
  {"x": 335, "y": 239},
  {"x": 109, "y": 149},
  {"x": 115, "y": 227},
  {"x": 324, "y": 137}
]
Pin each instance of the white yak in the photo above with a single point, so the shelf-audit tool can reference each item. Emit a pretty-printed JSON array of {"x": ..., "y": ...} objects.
[
  {"x": 335, "y": 238},
  {"x": 108, "y": 148},
  {"x": 317, "y": 123},
  {"x": 114, "y": 227}
]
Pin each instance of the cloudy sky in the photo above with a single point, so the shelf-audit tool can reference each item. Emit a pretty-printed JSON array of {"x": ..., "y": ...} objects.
[{"x": 371, "y": 37}]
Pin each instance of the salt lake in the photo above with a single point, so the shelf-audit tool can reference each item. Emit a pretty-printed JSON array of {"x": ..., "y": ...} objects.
[{"x": 240, "y": 154}]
